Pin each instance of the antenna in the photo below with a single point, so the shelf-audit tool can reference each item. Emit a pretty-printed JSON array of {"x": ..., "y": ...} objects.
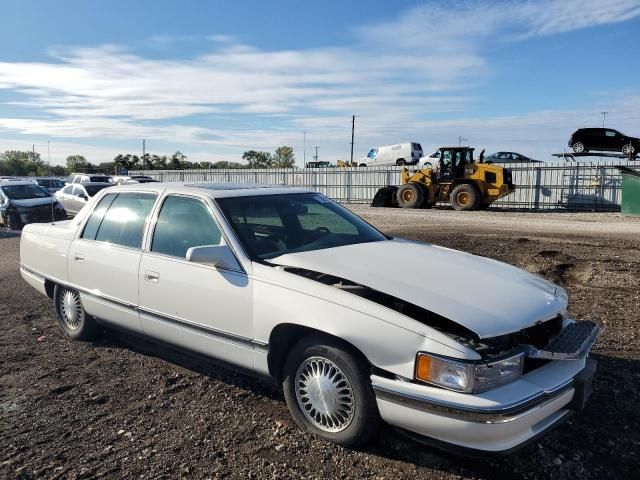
[{"x": 353, "y": 129}]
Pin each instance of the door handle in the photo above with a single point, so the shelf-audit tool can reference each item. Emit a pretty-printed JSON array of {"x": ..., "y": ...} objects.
[
  {"x": 151, "y": 276},
  {"x": 78, "y": 257}
]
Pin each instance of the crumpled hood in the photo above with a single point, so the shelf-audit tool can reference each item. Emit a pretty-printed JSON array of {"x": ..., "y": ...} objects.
[
  {"x": 488, "y": 297},
  {"x": 32, "y": 202}
]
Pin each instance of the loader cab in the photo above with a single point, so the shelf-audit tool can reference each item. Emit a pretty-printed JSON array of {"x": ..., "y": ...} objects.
[{"x": 452, "y": 162}]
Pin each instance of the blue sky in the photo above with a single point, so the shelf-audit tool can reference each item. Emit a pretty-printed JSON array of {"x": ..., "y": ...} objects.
[{"x": 214, "y": 79}]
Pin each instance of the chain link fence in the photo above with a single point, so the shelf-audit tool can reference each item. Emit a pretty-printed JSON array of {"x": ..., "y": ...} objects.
[{"x": 594, "y": 186}]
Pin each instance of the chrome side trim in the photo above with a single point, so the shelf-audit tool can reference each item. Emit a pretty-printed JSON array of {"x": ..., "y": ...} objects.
[
  {"x": 212, "y": 332},
  {"x": 501, "y": 414}
]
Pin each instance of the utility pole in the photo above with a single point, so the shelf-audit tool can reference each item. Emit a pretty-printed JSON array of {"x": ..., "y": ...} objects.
[
  {"x": 460, "y": 140},
  {"x": 49, "y": 157},
  {"x": 604, "y": 117},
  {"x": 304, "y": 149},
  {"x": 315, "y": 157},
  {"x": 144, "y": 151},
  {"x": 353, "y": 129}
]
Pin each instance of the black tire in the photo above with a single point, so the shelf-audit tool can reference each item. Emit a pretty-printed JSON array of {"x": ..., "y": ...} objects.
[
  {"x": 401, "y": 162},
  {"x": 579, "y": 147},
  {"x": 12, "y": 222},
  {"x": 364, "y": 416},
  {"x": 77, "y": 325},
  {"x": 484, "y": 206},
  {"x": 465, "y": 197},
  {"x": 410, "y": 195},
  {"x": 628, "y": 150}
]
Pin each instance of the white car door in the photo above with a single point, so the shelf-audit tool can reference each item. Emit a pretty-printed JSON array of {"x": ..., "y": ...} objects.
[
  {"x": 197, "y": 306},
  {"x": 103, "y": 260}
]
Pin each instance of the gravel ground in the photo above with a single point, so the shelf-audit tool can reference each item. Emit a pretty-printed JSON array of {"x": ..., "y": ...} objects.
[{"x": 123, "y": 407}]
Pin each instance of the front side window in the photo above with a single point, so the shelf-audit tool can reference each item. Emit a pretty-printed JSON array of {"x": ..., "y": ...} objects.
[
  {"x": 272, "y": 225},
  {"x": 372, "y": 153},
  {"x": 183, "y": 222},
  {"x": 611, "y": 133},
  {"x": 124, "y": 220}
]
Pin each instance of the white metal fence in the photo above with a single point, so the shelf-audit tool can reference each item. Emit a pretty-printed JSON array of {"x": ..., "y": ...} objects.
[{"x": 571, "y": 186}]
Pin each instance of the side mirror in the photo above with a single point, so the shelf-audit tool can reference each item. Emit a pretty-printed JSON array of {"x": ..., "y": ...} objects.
[{"x": 216, "y": 255}]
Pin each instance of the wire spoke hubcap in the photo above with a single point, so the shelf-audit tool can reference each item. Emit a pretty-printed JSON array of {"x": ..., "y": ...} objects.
[
  {"x": 324, "y": 394},
  {"x": 71, "y": 309}
]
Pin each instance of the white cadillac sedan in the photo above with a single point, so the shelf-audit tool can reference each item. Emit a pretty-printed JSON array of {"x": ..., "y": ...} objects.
[{"x": 460, "y": 351}]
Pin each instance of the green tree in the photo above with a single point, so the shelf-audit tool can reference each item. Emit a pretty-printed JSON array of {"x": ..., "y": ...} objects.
[
  {"x": 77, "y": 163},
  {"x": 284, "y": 157},
  {"x": 19, "y": 163},
  {"x": 258, "y": 159},
  {"x": 178, "y": 161},
  {"x": 224, "y": 164}
]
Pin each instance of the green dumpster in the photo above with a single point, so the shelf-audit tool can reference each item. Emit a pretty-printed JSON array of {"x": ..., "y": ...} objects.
[{"x": 630, "y": 192}]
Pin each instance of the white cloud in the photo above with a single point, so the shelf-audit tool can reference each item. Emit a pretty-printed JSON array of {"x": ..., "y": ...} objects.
[{"x": 393, "y": 74}]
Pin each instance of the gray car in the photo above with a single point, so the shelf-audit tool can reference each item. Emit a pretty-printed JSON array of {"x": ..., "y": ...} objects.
[{"x": 75, "y": 196}]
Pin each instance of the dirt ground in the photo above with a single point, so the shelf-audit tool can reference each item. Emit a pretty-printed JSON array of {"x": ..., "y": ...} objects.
[{"x": 123, "y": 407}]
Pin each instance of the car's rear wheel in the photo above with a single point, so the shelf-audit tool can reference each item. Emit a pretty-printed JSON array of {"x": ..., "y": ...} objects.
[
  {"x": 401, "y": 162},
  {"x": 328, "y": 391},
  {"x": 71, "y": 315},
  {"x": 465, "y": 197},
  {"x": 628, "y": 149},
  {"x": 579, "y": 147},
  {"x": 363, "y": 165}
]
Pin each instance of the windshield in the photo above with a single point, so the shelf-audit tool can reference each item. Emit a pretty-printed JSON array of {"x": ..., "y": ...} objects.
[
  {"x": 93, "y": 189},
  {"x": 272, "y": 225},
  {"x": 25, "y": 192}
]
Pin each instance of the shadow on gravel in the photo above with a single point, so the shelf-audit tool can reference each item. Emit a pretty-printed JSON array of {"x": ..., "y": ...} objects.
[
  {"x": 200, "y": 364},
  {"x": 600, "y": 442}
]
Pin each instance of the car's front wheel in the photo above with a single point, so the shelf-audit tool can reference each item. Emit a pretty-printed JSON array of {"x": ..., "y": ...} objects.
[
  {"x": 579, "y": 147},
  {"x": 328, "y": 391},
  {"x": 71, "y": 315},
  {"x": 12, "y": 221}
]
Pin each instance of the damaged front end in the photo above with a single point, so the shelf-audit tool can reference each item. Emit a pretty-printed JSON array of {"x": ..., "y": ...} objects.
[{"x": 534, "y": 346}]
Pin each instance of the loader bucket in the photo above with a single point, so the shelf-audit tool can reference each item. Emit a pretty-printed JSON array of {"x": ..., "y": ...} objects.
[{"x": 385, "y": 197}]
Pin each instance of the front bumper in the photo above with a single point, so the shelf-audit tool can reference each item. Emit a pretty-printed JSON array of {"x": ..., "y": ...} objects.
[
  {"x": 498, "y": 421},
  {"x": 41, "y": 215}
]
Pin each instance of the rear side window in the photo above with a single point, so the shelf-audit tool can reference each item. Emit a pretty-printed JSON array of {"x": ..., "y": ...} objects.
[
  {"x": 183, "y": 222},
  {"x": 92, "y": 225},
  {"x": 124, "y": 219}
]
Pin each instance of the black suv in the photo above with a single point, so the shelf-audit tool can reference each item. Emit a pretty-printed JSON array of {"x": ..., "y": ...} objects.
[{"x": 603, "y": 139}]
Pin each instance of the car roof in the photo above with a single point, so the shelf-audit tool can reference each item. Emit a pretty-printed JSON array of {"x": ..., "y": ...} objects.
[
  {"x": 90, "y": 184},
  {"x": 214, "y": 190}
]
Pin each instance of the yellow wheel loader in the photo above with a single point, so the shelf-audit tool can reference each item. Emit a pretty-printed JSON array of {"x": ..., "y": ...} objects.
[{"x": 457, "y": 178}]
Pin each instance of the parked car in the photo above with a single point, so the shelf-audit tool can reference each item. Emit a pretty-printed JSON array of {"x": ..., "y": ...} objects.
[
  {"x": 75, "y": 196},
  {"x": 23, "y": 202},
  {"x": 388, "y": 155},
  {"x": 89, "y": 178},
  {"x": 481, "y": 356},
  {"x": 51, "y": 184},
  {"x": 126, "y": 179},
  {"x": 509, "y": 157},
  {"x": 584, "y": 140}
]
